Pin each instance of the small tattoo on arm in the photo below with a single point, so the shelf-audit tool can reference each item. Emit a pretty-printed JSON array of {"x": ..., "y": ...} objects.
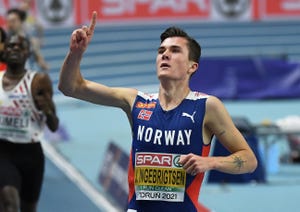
[{"x": 238, "y": 162}]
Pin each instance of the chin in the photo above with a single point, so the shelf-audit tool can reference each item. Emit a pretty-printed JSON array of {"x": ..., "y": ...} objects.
[
  {"x": 14, "y": 63},
  {"x": 163, "y": 77},
  {"x": 15, "y": 60}
]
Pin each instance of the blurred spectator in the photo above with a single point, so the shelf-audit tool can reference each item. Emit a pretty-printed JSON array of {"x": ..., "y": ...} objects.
[
  {"x": 291, "y": 125},
  {"x": 16, "y": 25},
  {"x": 294, "y": 142},
  {"x": 2, "y": 40},
  {"x": 14, "y": 21},
  {"x": 32, "y": 27}
]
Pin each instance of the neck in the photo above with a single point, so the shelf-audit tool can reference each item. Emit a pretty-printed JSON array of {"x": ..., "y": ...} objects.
[
  {"x": 172, "y": 94},
  {"x": 15, "y": 71}
]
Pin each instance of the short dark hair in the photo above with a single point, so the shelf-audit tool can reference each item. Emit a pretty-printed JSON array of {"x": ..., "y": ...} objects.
[
  {"x": 193, "y": 45},
  {"x": 20, "y": 13}
]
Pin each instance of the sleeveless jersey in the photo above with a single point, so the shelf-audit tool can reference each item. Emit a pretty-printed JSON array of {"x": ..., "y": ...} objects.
[
  {"x": 157, "y": 182},
  {"x": 20, "y": 120}
]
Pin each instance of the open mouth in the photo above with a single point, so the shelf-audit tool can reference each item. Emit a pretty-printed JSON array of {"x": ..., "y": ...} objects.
[
  {"x": 14, "y": 56},
  {"x": 165, "y": 65}
]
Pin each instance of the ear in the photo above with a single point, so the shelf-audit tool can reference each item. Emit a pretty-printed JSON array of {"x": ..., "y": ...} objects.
[{"x": 193, "y": 67}]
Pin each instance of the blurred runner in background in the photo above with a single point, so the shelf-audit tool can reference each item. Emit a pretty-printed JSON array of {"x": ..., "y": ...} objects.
[{"x": 26, "y": 107}]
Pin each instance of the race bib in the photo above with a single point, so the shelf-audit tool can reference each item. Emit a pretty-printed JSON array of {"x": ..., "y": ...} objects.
[
  {"x": 15, "y": 123},
  {"x": 159, "y": 176}
]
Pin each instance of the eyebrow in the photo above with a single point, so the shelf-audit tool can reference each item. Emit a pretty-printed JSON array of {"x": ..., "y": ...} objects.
[{"x": 171, "y": 47}]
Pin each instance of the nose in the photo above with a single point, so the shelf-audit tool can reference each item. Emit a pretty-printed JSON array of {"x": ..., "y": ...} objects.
[
  {"x": 166, "y": 55},
  {"x": 16, "y": 48}
]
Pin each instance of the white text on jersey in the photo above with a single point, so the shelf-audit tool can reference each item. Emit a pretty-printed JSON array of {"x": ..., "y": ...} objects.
[{"x": 169, "y": 137}]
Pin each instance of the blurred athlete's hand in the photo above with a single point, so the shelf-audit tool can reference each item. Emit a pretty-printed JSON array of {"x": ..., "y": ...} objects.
[{"x": 80, "y": 38}]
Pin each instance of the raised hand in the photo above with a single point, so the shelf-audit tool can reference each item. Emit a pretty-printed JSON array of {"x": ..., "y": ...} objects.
[{"x": 80, "y": 38}]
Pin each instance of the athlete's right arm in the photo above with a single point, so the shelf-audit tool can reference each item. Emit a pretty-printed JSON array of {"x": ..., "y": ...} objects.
[{"x": 72, "y": 83}]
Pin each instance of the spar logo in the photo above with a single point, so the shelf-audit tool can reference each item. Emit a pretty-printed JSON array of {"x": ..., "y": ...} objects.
[
  {"x": 176, "y": 160},
  {"x": 157, "y": 160}
]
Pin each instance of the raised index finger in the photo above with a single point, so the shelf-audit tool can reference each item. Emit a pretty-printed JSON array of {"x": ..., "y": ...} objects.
[{"x": 93, "y": 22}]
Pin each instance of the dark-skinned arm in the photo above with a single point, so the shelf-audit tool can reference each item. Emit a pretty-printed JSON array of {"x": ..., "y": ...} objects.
[{"x": 42, "y": 93}]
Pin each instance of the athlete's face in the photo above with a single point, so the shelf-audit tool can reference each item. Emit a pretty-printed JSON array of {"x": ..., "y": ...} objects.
[
  {"x": 16, "y": 50},
  {"x": 172, "y": 61}
]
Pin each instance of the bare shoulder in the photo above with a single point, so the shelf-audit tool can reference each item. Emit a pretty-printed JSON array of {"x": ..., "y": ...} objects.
[
  {"x": 41, "y": 77},
  {"x": 217, "y": 116},
  {"x": 41, "y": 81},
  {"x": 130, "y": 91},
  {"x": 130, "y": 95},
  {"x": 214, "y": 104}
]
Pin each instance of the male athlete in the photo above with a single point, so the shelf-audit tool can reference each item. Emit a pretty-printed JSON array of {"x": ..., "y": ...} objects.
[
  {"x": 26, "y": 106},
  {"x": 171, "y": 130}
]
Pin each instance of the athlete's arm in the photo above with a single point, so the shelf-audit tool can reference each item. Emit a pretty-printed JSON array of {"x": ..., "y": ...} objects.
[
  {"x": 41, "y": 89},
  {"x": 218, "y": 122},
  {"x": 73, "y": 84}
]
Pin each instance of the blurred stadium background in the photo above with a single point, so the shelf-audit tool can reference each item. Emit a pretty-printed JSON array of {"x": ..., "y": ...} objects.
[{"x": 250, "y": 59}]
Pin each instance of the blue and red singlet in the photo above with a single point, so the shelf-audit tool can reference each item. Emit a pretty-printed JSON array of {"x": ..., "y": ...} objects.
[{"x": 157, "y": 182}]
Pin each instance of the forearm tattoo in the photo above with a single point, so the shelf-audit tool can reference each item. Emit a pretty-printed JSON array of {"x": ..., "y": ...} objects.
[{"x": 238, "y": 162}]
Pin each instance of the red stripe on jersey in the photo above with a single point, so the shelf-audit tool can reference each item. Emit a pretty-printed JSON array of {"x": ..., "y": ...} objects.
[
  {"x": 194, "y": 188},
  {"x": 205, "y": 150},
  {"x": 201, "y": 208},
  {"x": 130, "y": 178},
  {"x": 21, "y": 89},
  {"x": 26, "y": 86},
  {"x": 16, "y": 103}
]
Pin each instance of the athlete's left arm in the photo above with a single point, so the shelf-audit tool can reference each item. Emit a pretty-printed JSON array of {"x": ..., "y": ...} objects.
[
  {"x": 42, "y": 92},
  {"x": 218, "y": 122}
]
